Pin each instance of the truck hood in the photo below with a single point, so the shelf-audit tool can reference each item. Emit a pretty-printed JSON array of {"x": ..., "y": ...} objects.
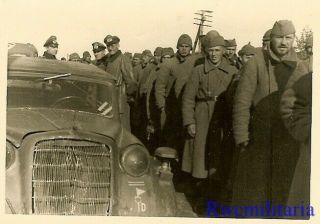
[{"x": 24, "y": 121}]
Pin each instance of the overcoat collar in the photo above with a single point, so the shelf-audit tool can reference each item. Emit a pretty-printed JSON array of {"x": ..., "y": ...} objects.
[
  {"x": 224, "y": 65},
  {"x": 111, "y": 58},
  {"x": 289, "y": 59}
]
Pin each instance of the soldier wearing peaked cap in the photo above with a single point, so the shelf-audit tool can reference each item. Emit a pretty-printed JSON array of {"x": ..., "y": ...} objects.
[
  {"x": 99, "y": 51},
  {"x": 109, "y": 40},
  {"x": 268, "y": 153},
  {"x": 51, "y": 46},
  {"x": 120, "y": 66},
  {"x": 209, "y": 79}
]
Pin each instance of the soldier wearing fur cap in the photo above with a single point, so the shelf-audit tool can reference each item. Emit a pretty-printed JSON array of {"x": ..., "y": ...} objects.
[
  {"x": 74, "y": 57},
  {"x": 51, "y": 46},
  {"x": 247, "y": 52},
  {"x": 86, "y": 57},
  {"x": 209, "y": 79},
  {"x": 268, "y": 153},
  {"x": 172, "y": 77},
  {"x": 157, "y": 54}
]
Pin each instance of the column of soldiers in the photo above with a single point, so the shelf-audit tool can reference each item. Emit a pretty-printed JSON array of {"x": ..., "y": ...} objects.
[{"x": 220, "y": 111}]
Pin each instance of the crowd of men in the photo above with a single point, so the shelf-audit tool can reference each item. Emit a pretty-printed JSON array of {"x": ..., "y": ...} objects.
[{"x": 235, "y": 120}]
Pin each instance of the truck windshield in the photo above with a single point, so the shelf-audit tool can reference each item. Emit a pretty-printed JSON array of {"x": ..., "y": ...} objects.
[{"x": 59, "y": 92}]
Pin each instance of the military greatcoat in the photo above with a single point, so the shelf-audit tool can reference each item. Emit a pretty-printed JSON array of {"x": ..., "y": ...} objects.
[{"x": 206, "y": 83}]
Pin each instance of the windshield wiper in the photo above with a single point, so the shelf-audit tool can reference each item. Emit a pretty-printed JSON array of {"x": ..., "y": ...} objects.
[{"x": 57, "y": 76}]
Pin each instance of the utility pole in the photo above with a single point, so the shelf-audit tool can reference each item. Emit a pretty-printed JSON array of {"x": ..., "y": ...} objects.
[{"x": 204, "y": 14}]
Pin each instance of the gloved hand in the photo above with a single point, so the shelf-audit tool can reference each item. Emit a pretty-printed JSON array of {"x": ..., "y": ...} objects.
[{"x": 191, "y": 130}]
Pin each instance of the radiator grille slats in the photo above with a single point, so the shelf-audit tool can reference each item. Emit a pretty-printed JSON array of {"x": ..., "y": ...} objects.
[{"x": 71, "y": 177}]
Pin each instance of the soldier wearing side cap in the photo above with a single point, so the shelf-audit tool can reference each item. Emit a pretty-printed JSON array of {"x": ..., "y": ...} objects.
[
  {"x": 99, "y": 52},
  {"x": 231, "y": 53},
  {"x": 86, "y": 58},
  {"x": 268, "y": 154},
  {"x": 209, "y": 79},
  {"x": 120, "y": 66},
  {"x": 51, "y": 46},
  {"x": 266, "y": 39}
]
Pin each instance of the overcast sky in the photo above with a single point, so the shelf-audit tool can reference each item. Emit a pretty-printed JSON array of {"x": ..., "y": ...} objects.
[{"x": 144, "y": 24}]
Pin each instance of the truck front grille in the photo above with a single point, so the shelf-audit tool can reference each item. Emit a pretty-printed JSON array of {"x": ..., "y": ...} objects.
[{"x": 71, "y": 177}]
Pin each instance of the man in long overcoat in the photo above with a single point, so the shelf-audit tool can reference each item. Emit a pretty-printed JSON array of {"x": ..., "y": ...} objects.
[
  {"x": 120, "y": 66},
  {"x": 296, "y": 112},
  {"x": 209, "y": 79},
  {"x": 268, "y": 154},
  {"x": 170, "y": 83}
]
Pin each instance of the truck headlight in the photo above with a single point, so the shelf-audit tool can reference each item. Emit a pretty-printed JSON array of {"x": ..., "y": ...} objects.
[
  {"x": 135, "y": 160},
  {"x": 10, "y": 155}
]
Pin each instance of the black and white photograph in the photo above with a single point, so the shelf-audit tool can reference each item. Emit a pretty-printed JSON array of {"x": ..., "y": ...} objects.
[{"x": 190, "y": 109}]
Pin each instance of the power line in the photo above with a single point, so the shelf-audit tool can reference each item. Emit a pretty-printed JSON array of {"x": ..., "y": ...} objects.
[{"x": 200, "y": 22}]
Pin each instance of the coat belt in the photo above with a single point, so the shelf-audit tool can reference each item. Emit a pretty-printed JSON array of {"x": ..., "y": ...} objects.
[{"x": 213, "y": 98}]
